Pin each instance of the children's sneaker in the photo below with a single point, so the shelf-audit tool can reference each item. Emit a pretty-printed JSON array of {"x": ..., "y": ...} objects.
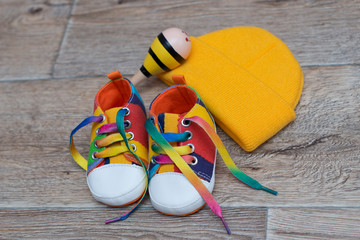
[
  {"x": 117, "y": 162},
  {"x": 182, "y": 150}
]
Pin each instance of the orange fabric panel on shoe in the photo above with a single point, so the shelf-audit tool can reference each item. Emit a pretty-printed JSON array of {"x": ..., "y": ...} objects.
[
  {"x": 248, "y": 79},
  {"x": 177, "y": 100},
  {"x": 114, "y": 94},
  {"x": 179, "y": 79},
  {"x": 114, "y": 75}
]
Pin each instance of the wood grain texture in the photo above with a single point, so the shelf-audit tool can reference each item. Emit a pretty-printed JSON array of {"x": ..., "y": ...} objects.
[
  {"x": 30, "y": 36},
  {"x": 144, "y": 224},
  {"x": 37, "y": 117},
  {"x": 314, "y": 224},
  {"x": 105, "y": 35},
  {"x": 315, "y": 161}
]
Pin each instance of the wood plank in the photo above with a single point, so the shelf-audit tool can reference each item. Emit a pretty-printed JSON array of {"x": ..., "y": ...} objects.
[
  {"x": 31, "y": 32},
  {"x": 315, "y": 161},
  {"x": 105, "y": 35},
  {"x": 313, "y": 224},
  {"x": 37, "y": 169},
  {"x": 144, "y": 223}
]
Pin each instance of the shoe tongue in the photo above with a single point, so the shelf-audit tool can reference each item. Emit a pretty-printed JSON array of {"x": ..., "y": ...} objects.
[
  {"x": 111, "y": 117},
  {"x": 111, "y": 114},
  {"x": 168, "y": 122}
]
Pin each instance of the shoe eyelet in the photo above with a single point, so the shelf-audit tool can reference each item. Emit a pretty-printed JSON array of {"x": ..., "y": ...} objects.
[
  {"x": 153, "y": 161},
  {"x": 127, "y": 111},
  {"x": 190, "y": 134},
  {"x": 97, "y": 132},
  {"x": 194, "y": 161},
  {"x": 134, "y": 147},
  {"x": 192, "y": 147},
  {"x": 154, "y": 144},
  {"x": 103, "y": 118},
  {"x": 132, "y": 136},
  {"x": 93, "y": 156},
  {"x": 96, "y": 146},
  {"x": 152, "y": 118},
  {"x": 185, "y": 122},
  {"x": 128, "y": 124}
]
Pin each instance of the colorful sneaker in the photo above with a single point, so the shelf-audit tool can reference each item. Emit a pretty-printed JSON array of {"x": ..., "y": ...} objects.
[
  {"x": 183, "y": 152},
  {"x": 117, "y": 162}
]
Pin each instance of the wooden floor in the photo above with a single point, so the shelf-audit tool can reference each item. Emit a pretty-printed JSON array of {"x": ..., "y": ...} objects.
[{"x": 53, "y": 58}]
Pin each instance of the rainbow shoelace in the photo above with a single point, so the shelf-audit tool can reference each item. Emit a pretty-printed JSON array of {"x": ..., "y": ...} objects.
[
  {"x": 179, "y": 156},
  {"x": 108, "y": 134}
]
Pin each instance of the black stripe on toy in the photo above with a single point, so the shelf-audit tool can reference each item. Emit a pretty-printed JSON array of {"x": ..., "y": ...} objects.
[
  {"x": 157, "y": 60},
  {"x": 170, "y": 49},
  {"x": 145, "y": 72}
]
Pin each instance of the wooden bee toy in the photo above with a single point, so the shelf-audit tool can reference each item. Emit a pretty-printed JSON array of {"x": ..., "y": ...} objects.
[{"x": 169, "y": 49}]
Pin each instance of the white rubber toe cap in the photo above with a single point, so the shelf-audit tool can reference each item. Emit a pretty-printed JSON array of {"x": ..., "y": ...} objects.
[
  {"x": 172, "y": 193},
  {"x": 117, "y": 184}
]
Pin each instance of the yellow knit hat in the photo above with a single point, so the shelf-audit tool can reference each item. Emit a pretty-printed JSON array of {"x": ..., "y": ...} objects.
[{"x": 248, "y": 79}]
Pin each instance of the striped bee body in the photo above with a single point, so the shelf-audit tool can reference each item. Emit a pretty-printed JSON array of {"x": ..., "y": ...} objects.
[
  {"x": 168, "y": 51},
  {"x": 162, "y": 56}
]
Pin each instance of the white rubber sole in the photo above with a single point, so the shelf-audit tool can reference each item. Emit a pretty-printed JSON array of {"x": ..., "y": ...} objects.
[{"x": 117, "y": 184}]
